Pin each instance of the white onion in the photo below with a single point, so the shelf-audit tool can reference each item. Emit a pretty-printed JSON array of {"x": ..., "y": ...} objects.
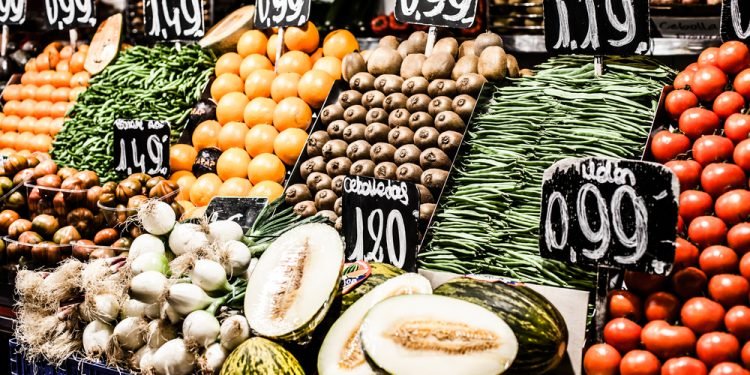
[
  {"x": 133, "y": 308},
  {"x": 173, "y": 358},
  {"x": 214, "y": 358},
  {"x": 187, "y": 238},
  {"x": 150, "y": 262},
  {"x": 168, "y": 313},
  {"x": 156, "y": 217},
  {"x": 186, "y": 298},
  {"x": 146, "y": 243},
  {"x": 106, "y": 307},
  {"x": 239, "y": 257},
  {"x": 148, "y": 287},
  {"x": 137, "y": 358},
  {"x": 153, "y": 311},
  {"x": 96, "y": 338},
  {"x": 159, "y": 332},
  {"x": 210, "y": 276},
  {"x": 224, "y": 230},
  {"x": 130, "y": 333},
  {"x": 234, "y": 331},
  {"x": 201, "y": 327},
  {"x": 147, "y": 359}
]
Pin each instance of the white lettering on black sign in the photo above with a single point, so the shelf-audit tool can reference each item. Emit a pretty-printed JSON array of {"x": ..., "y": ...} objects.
[
  {"x": 284, "y": 13},
  {"x": 242, "y": 210},
  {"x": 735, "y": 20},
  {"x": 141, "y": 146},
  {"x": 444, "y": 13},
  {"x": 66, "y": 14},
  {"x": 174, "y": 19},
  {"x": 12, "y": 12}
]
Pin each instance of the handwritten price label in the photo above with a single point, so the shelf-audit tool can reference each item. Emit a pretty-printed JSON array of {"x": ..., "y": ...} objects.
[
  {"x": 174, "y": 19},
  {"x": 281, "y": 13},
  {"x": 12, "y": 12},
  {"x": 735, "y": 20},
  {"x": 142, "y": 146},
  {"x": 67, "y": 14},
  {"x": 444, "y": 13}
]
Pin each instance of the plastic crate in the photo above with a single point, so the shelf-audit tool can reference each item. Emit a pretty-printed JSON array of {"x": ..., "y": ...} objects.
[
  {"x": 20, "y": 366},
  {"x": 94, "y": 368}
]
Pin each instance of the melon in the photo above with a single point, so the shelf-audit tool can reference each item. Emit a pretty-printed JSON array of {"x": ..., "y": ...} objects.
[
  {"x": 379, "y": 273},
  {"x": 258, "y": 356},
  {"x": 223, "y": 36},
  {"x": 104, "y": 45}
]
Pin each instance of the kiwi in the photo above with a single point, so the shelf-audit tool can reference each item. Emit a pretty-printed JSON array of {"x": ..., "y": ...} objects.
[
  {"x": 315, "y": 143},
  {"x": 409, "y": 172},
  {"x": 439, "y": 104},
  {"x": 406, "y": 48},
  {"x": 334, "y": 148},
  {"x": 362, "y": 168},
  {"x": 337, "y": 184},
  {"x": 464, "y": 106},
  {"x": 386, "y": 170},
  {"x": 331, "y": 113},
  {"x": 336, "y": 129},
  {"x": 400, "y": 136},
  {"x": 355, "y": 113},
  {"x": 442, "y": 87},
  {"x": 352, "y": 64},
  {"x": 349, "y": 98},
  {"x": 466, "y": 64},
  {"x": 389, "y": 83},
  {"x": 419, "y": 40},
  {"x": 354, "y": 132},
  {"x": 362, "y": 82},
  {"x": 338, "y": 207},
  {"x": 434, "y": 158},
  {"x": 426, "y": 137},
  {"x": 447, "y": 45},
  {"x": 399, "y": 117},
  {"x": 425, "y": 195},
  {"x": 434, "y": 178},
  {"x": 339, "y": 224},
  {"x": 466, "y": 49},
  {"x": 394, "y": 101},
  {"x": 415, "y": 85},
  {"x": 297, "y": 193},
  {"x": 407, "y": 154},
  {"x": 376, "y": 132},
  {"x": 426, "y": 210},
  {"x": 447, "y": 120},
  {"x": 493, "y": 64},
  {"x": 325, "y": 199},
  {"x": 470, "y": 84},
  {"x": 376, "y": 115},
  {"x": 412, "y": 65},
  {"x": 317, "y": 181},
  {"x": 373, "y": 99},
  {"x": 384, "y": 60},
  {"x": 418, "y": 103},
  {"x": 338, "y": 166},
  {"x": 382, "y": 151},
  {"x": 486, "y": 40},
  {"x": 449, "y": 141},
  {"x": 358, "y": 150},
  {"x": 310, "y": 166},
  {"x": 305, "y": 208},
  {"x": 366, "y": 55},
  {"x": 330, "y": 216},
  {"x": 419, "y": 120},
  {"x": 526, "y": 73},
  {"x": 513, "y": 71},
  {"x": 389, "y": 41},
  {"x": 438, "y": 65}
]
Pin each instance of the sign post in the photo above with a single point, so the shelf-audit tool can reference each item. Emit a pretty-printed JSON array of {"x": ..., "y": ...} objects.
[
  {"x": 452, "y": 14},
  {"x": 735, "y": 20}
]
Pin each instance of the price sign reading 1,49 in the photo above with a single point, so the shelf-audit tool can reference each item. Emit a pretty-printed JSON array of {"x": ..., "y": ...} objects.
[
  {"x": 617, "y": 213},
  {"x": 12, "y": 12},
  {"x": 65, "y": 14},
  {"x": 444, "y": 13},
  {"x": 281, "y": 13},
  {"x": 174, "y": 19},
  {"x": 141, "y": 146}
]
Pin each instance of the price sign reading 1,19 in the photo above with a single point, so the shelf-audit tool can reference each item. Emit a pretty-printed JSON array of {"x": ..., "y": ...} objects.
[
  {"x": 174, "y": 19},
  {"x": 66, "y": 14},
  {"x": 141, "y": 146},
  {"x": 281, "y": 13},
  {"x": 735, "y": 20},
  {"x": 444, "y": 13},
  {"x": 12, "y": 12},
  {"x": 618, "y": 213}
]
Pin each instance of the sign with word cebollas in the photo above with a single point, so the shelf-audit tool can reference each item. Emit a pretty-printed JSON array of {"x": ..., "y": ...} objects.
[
  {"x": 380, "y": 221},
  {"x": 142, "y": 146},
  {"x": 608, "y": 212},
  {"x": 174, "y": 19},
  {"x": 12, "y": 12},
  {"x": 281, "y": 13},
  {"x": 69, "y": 14},
  {"x": 735, "y": 20},
  {"x": 453, "y": 13}
]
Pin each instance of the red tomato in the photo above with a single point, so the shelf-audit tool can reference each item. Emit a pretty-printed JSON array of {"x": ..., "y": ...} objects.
[
  {"x": 738, "y": 238},
  {"x": 746, "y": 354},
  {"x": 601, "y": 359},
  {"x": 705, "y": 231},
  {"x": 733, "y": 206},
  {"x": 623, "y": 304},
  {"x": 694, "y": 203},
  {"x": 683, "y": 79},
  {"x": 661, "y": 306},
  {"x": 667, "y": 341},
  {"x": 693, "y": 67},
  {"x": 742, "y": 83},
  {"x": 685, "y": 254},
  {"x": 716, "y": 347},
  {"x": 729, "y": 290},
  {"x": 702, "y": 315},
  {"x": 687, "y": 171},
  {"x": 683, "y": 366},
  {"x": 728, "y": 103},
  {"x": 678, "y": 101},
  {"x": 745, "y": 266},
  {"x": 718, "y": 259},
  {"x": 666, "y": 145},
  {"x": 643, "y": 283},
  {"x": 695, "y": 122},
  {"x": 680, "y": 225},
  {"x": 733, "y": 57},
  {"x": 639, "y": 362},
  {"x": 742, "y": 155},
  {"x": 623, "y": 334},
  {"x": 737, "y": 127},
  {"x": 728, "y": 368},
  {"x": 712, "y": 149},
  {"x": 718, "y": 178},
  {"x": 737, "y": 322},
  {"x": 689, "y": 282},
  {"x": 709, "y": 57},
  {"x": 708, "y": 82}
]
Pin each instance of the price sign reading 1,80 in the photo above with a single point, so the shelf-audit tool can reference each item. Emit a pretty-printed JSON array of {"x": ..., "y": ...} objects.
[
  {"x": 141, "y": 146},
  {"x": 444, "y": 13},
  {"x": 617, "y": 213}
]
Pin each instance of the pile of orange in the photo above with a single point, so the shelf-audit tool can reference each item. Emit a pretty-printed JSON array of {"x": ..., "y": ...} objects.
[
  {"x": 34, "y": 110},
  {"x": 264, "y": 108}
]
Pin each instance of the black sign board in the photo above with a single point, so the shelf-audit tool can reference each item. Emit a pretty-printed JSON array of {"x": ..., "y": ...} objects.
[
  {"x": 174, "y": 19},
  {"x": 281, "y": 13},
  {"x": 380, "y": 221},
  {"x": 12, "y": 12},
  {"x": 735, "y": 20},
  {"x": 597, "y": 27},
  {"x": 69, "y": 14},
  {"x": 608, "y": 212},
  {"x": 453, "y": 13},
  {"x": 142, "y": 146},
  {"x": 242, "y": 210}
]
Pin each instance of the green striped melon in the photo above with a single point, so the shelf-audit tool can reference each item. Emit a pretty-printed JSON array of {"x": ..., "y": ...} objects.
[
  {"x": 259, "y": 356},
  {"x": 379, "y": 273}
]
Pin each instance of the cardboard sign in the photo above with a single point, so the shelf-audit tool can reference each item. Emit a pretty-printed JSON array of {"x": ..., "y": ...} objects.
[
  {"x": 241, "y": 210},
  {"x": 174, "y": 19},
  {"x": 380, "y": 221},
  {"x": 69, "y": 14},
  {"x": 281, "y": 13},
  {"x": 142, "y": 146},
  {"x": 597, "y": 27},
  {"x": 735, "y": 20},
  {"x": 12, "y": 12},
  {"x": 609, "y": 212},
  {"x": 453, "y": 13}
]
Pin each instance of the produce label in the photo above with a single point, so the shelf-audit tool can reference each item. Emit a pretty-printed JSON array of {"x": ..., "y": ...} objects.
[
  {"x": 380, "y": 221},
  {"x": 281, "y": 13},
  {"x": 354, "y": 274},
  {"x": 174, "y": 19},
  {"x": 241, "y": 210},
  {"x": 735, "y": 20},
  {"x": 12, "y": 12},
  {"x": 452, "y": 13},
  {"x": 141, "y": 146},
  {"x": 606, "y": 27},
  {"x": 608, "y": 212},
  {"x": 69, "y": 14}
]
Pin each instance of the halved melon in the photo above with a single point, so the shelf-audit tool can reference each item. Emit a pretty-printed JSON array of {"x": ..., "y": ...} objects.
[
  {"x": 223, "y": 36},
  {"x": 104, "y": 45},
  {"x": 430, "y": 334}
]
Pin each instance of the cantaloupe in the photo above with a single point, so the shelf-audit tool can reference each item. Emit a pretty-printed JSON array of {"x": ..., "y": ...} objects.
[
  {"x": 223, "y": 36},
  {"x": 104, "y": 45}
]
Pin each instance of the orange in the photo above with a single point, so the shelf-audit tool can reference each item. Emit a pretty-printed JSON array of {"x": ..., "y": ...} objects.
[
  {"x": 231, "y": 107},
  {"x": 232, "y": 134},
  {"x": 252, "y": 41},
  {"x": 62, "y": 94},
  {"x": 339, "y": 43},
  {"x": 185, "y": 182},
  {"x": 266, "y": 167},
  {"x": 289, "y": 144},
  {"x": 292, "y": 112},
  {"x": 176, "y": 175},
  {"x": 224, "y": 84},
  {"x": 30, "y": 78},
  {"x": 258, "y": 83},
  {"x": 80, "y": 79},
  {"x": 42, "y": 125},
  {"x": 74, "y": 92},
  {"x": 44, "y": 93},
  {"x": 23, "y": 141},
  {"x": 206, "y": 134},
  {"x": 42, "y": 62},
  {"x": 204, "y": 188},
  {"x": 294, "y": 62},
  {"x": 30, "y": 65},
  {"x": 228, "y": 63},
  {"x": 314, "y": 87},
  {"x": 284, "y": 86},
  {"x": 12, "y": 92},
  {"x": 259, "y": 111},
  {"x": 316, "y": 56},
  {"x": 55, "y": 126},
  {"x": 9, "y": 139},
  {"x": 252, "y": 63},
  {"x": 26, "y": 108},
  {"x": 259, "y": 139},
  {"x": 272, "y": 47},
  {"x": 267, "y": 189},
  {"x": 45, "y": 77},
  {"x": 235, "y": 187},
  {"x": 305, "y": 38},
  {"x": 26, "y": 124},
  {"x": 42, "y": 109},
  {"x": 40, "y": 142},
  {"x": 77, "y": 61},
  {"x": 182, "y": 157},
  {"x": 66, "y": 53},
  {"x": 28, "y": 92},
  {"x": 11, "y": 107},
  {"x": 232, "y": 163},
  {"x": 24, "y": 153},
  {"x": 62, "y": 79},
  {"x": 330, "y": 65},
  {"x": 59, "y": 109},
  {"x": 63, "y": 66},
  {"x": 10, "y": 123}
]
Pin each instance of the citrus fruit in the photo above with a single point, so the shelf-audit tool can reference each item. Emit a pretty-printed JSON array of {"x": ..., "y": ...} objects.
[
  {"x": 271, "y": 47},
  {"x": 59, "y": 109},
  {"x": 224, "y": 84},
  {"x": 66, "y": 53},
  {"x": 252, "y": 63},
  {"x": 10, "y": 123},
  {"x": 26, "y": 108},
  {"x": 266, "y": 167},
  {"x": 260, "y": 139},
  {"x": 40, "y": 142},
  {"x": 42, "y": 109},
  {"x": 258, "y": 83},
  {"x": 62, "y": 79},
  {"x": 305, "y": 38},
  {"x": 44, "y": 92},
  {"x": 185, "y": 182},
  {"x": 55, "y": 126},
  {"x": 204, "y": 188},
  {"x": 181, "y": 157},
  {"x": 339, "y": 43},
  {"x": 317, "y": 55},
  {"x": 61, "y": 94},
  {"x": 330, "y": 65},
  {"x": 23, "y": 141},
  {"x": 235, "y": 187},
  {"x": 12, "y": 92},
  {"x": 232, "y": 134},
  {"x": 284, "y": 86},
  {"x": 206, "y": 134},
  {"x": 294, "y": 62},
  {"x": 292, "y": 112},
  {"x": 231, "y": 107},
  {"x": 42, "y": 125},
  {"x": 228, "y": 63},
  {"x": 11, "y": 107},
  {"x": 28, "y": 92},
  {"x": 74, "y": 93},
  {"x": 314, "y": 87},
  {"x": 232, "y": 163},
  {"x": 289, "y": 144},
  {"x": 176, "y": 175},
  {"x": 259, "y": 111},
  {"x": 252, "y": 41},
  {"x": 267, "y": 189},
  {"x": 77, "y": 61},
  {"x": 63, "y": 66},
  {"x": 80, "y": 79},
  {"x": 26, "y": 124}
]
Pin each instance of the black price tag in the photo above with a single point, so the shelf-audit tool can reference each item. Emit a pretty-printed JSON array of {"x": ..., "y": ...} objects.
[
  {"x": 69, "y": 14},
  {"x": 443, "y": 13},
  {"x": 735, "y": 20},
  {"x": 380, "y": 221},
  {"x": 597, "y": 27},
  {"x": 281, "y": 13},
  {"x": 12, "y": 12},
  {"x": 608, "y": 212},
  {"x": 142, "y": 146},
  {"x": 174, "y": 19},
  {"x": 241, "y": 210}
]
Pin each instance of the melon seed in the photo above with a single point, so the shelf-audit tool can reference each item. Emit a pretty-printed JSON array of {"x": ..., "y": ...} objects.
[{"x": 442, "y": 336}]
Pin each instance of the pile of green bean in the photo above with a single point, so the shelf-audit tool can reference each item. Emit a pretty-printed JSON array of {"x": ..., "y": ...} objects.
[
  {"x": 489, "y": 221},
  {"x": 154, "y": 83}
]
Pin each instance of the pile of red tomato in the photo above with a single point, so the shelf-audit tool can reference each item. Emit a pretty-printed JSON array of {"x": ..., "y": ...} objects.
[{"x": 697, "y": 320}]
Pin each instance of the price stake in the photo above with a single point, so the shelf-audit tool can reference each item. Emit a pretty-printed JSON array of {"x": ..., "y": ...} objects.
[
  {"x": 380, "y": 221},
  {"x": 735, "y": 20},
  {"x": 12, "y": 12},
  {"x": 607, "y": 212},
  {"x": 142, "y": 146},
  {"x": 174, "y": 19},
  {"x": 69, "y": 14},
  {"x": 281, "y": 13},
  {"x": 241, "y": 210},
  {"x": 451, "y": 13},
  {"x": 597, "y": 27}
]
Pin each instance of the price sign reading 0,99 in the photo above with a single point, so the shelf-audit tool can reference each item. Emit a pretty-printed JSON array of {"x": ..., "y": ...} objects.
[
  {"x": 12, "y": 12},
  {"x": 281, "y": 13},
  {"x": 141, "y": 146},
  {"x": 444, "y": 13},
  {"x": 67, "y": 14},
  {"x": 617, "y": 213},
  {"x": 174, "y": 19}
]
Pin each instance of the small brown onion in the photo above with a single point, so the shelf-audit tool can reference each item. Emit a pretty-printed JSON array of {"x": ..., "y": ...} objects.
[
  {"x": 102, "y": 253},
  {"x": 106, "y": 237},
  {"x": 82, "y": 249},
  {"x": 44, "y": 168},
  {"x": 122, "y": 243},
  {"x": 107, "y": 199},
  {"x": 66, "y": 172},
  {"x": 15, "y": 163},
  {"x": 109, "y": 187}
]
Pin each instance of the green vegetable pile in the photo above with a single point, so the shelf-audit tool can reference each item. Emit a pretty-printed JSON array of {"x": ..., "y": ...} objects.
[
  {"x": 157, "y": 83},
  {"x": 489, "y": 221}
]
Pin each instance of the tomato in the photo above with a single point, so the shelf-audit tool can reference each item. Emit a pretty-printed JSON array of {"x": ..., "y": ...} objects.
[
  {"x": 728, "y": 103},
  {"x": 738, "y": 238},
  {"x": 601, "y": 359},
  {"x": 695, "y": 122},
  {"x": 667, "y": 341},
  {"x": 728, "y": 368},
  {"x": 742, "y": 155},
  {"x": 693, "y": 67},
  {"x": 737, "y": 322},
  {"x": 718, "y": 178},
  {"x": 683, "y": 80},
  {"x": 729, "y": 290},
  {"x": 712, "y": 149},
  {"x": 689, "y": 282},
  {"x": 694, "y": 203},
  {"x": 745, "y": 266},
  {"x": 683, "y": 366},
  {"x": 661, "y": 306},
  {"x": 687, "y": 171},
  {"x": 643, "y": 283},
  {"x": 733, "y": 57},
  {"x": 639, "y": 362},
  {"x": 716, "y": 347},
  {"x": 708, "y": 82},
  {"x": 666, "y": 145},
  {"x": 733, "y": 206},
  {"x": 680, "y": 225},
  {"x": 685, "y": 253},
  {"x": 623, "y": 304},
  {"x": 709, "y": 57},
  {"x": 746, "y": 354},
  {"x": 705, "y": 231},
  {"x": 702, "y": 315},
  {"x": 623, "y": 334},
  {"x": 678, "y": 101},
  {"x": 742, "y": 83},
  {"x": 737, "y": 127},
  {"x": 718, "y": 259}
]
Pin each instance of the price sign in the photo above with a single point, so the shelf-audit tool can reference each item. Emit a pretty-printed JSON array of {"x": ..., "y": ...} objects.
[
  {"x": 12, "y": 12},
  {"x": 69, "y": 14},
  {"x": 174, "y": 19},
  {"x": 281, "y": 13},
  {"x": 241, "y": 210},
  {"x": 607, "y": 212},
  {"x": 380, "y": 221},
  {"x": 597, "y": 27},
  {"x": 735, "y": 20},
  {"x": 444, "y": 13},
  {"x": 142, "y": 146}
]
